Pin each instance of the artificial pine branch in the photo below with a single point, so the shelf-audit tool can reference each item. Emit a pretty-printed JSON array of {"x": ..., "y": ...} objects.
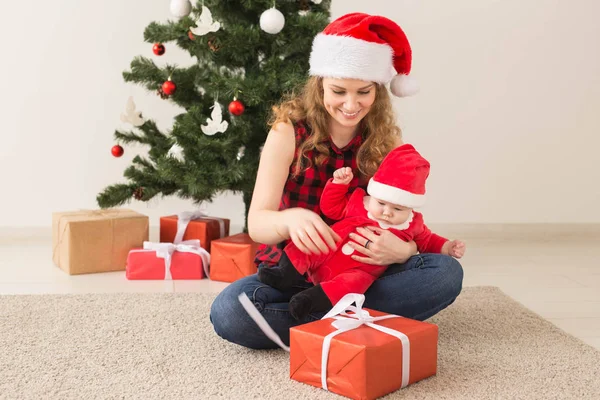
[
  {"x": 156, "y": 32},
  {"x": 115, "y": 195}
]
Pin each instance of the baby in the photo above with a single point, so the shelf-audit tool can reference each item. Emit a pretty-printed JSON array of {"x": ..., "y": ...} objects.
[{"x": 397, "y": 187}]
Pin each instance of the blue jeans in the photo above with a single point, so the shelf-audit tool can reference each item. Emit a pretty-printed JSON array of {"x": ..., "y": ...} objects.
[{"x": 417, "y": 289}]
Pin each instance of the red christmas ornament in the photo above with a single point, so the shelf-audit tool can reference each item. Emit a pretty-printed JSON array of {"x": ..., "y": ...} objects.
[
  {"x": 117, "y": 150},
  {"x": 191, "y": 35},
  {"x": 236, "y": 107},
  {"x": 169, "y": 87},
  {"x": 158, "y": 49}
]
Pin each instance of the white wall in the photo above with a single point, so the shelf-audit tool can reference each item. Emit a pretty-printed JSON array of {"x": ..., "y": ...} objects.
[{"x": 507, "y": 113}]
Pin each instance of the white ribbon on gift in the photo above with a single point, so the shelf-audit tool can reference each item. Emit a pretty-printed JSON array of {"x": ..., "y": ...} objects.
[
  {"x": 343, "y": 322},
  {"x": 260, "y": 321},
  {"x": 184, "y": 218},
  {"x": 166, "y": 250}
]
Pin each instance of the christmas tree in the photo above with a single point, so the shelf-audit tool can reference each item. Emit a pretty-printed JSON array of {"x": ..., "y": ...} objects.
[{"x": 250, "y": 53}]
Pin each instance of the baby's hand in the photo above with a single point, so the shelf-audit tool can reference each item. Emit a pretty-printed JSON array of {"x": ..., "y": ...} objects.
[
  {"x": 456, "y": 248},
  {"x": 343, "y": 175}
]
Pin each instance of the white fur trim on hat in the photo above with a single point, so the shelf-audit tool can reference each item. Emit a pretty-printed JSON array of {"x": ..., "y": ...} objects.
[
  {"x": 394, "y": 195},
  {"x": 335, "y": 56}
]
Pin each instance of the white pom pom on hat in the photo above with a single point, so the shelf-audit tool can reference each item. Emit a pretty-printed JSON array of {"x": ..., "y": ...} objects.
[
  {"x": 366, "y": 47},
  {"x": 404, "y": 85}
]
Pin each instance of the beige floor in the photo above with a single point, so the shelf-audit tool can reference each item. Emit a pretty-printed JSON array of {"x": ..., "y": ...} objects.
[{"x": 557, "y": 278}]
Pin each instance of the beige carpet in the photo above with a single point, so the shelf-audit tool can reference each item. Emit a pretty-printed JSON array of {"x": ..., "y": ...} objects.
[{"x": 154, "y": 346}]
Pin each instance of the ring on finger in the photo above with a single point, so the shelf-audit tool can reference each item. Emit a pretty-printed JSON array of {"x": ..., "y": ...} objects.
[{"x": 367, "y": 244}]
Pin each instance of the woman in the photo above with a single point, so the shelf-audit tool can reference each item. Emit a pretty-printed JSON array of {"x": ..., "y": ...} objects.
[{"x": 343, "y": 118}]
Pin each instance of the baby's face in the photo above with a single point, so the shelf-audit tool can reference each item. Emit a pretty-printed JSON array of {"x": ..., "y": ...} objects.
[{"x": 391, "y": 214}]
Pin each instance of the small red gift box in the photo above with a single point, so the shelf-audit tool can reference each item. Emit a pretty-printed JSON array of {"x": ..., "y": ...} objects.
[
  {"x": 232, "y": 258},
  {"x": 193, "y": 225},
  {"x": 157, "y": 261}
]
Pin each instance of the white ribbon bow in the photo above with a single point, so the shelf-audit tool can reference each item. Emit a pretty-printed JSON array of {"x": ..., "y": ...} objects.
[
  {"x": 166, "y": 250},
  {"x": 343, "y": 322},
  {"x": 184, "y": 218}
]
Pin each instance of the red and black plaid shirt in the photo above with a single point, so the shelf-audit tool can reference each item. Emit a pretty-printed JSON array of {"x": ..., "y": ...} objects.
[{"x": 305, "y": 189}]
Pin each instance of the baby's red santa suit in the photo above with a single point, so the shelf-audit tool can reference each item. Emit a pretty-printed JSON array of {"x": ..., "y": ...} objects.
[{"x": 400, "y": 180}]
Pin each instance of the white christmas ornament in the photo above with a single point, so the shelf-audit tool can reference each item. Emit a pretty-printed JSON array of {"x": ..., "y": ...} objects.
[
  {"x": 237, "y": 72},
  {"x": 215, "y": 123},
  {"x": 131, "y": 115},
  {"x": 176, "y": 151},
  {"x": 261, "y": 60},
  {"x": 317, "y": 1},
  {"x": 272, "y": 21},
  {"x": 181, "y": 8},
  {"x": 241, "y": 152},
  {"x": 205, "y": 23}
]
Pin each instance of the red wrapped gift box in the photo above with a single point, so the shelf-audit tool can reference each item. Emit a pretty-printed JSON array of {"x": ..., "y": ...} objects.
[
  {"x": 359, "y": 353},
  {"x": 193, "y": 225},
  {"x": 232, "y": 258},
  {"x": 157, "y": 261},
  {"x": 365, "y": 354}
]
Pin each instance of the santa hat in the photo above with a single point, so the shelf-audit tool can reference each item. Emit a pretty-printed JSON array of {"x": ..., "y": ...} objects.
[
  {"x": 365, "y": 47},
  {"x": 401, "y": 178}
]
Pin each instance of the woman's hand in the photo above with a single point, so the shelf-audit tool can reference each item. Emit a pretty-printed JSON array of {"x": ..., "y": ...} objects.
[
  {"x": 382, "y": 246},
  {"x": 309, "y": 232}
]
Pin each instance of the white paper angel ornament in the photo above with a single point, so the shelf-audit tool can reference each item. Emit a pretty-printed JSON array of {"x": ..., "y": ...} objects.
[
  {"x": 205, "y": 23},
  {"x": 131, "y": 115},
  {"x": 215, "y": 123}
]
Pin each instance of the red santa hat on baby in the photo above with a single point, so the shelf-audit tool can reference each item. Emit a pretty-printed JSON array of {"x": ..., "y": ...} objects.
[
  {"x": 365, "y": 47},
  {"x": 401, "y": 178}
]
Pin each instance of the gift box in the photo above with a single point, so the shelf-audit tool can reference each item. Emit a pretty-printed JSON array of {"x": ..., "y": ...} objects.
[
  {"x": 232, "y": 258},
  {"x": 366, "y": 354},
  {"x": 90, "y": 241},
  {"x": 186, "y": 260},
  {"x": 193, "y": 225}
]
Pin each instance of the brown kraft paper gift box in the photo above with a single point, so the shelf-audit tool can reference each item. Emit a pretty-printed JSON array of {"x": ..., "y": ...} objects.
[
  {"x": 90, "y": 241},
  {"x": 232, "y": 258}
]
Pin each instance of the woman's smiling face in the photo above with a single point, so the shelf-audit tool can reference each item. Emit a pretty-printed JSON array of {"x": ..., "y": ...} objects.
[{"x": 348, "y": 100}]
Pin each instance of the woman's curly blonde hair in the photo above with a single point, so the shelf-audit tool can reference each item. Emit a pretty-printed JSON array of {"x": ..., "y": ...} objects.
[{"x": 378, "y": 127}]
